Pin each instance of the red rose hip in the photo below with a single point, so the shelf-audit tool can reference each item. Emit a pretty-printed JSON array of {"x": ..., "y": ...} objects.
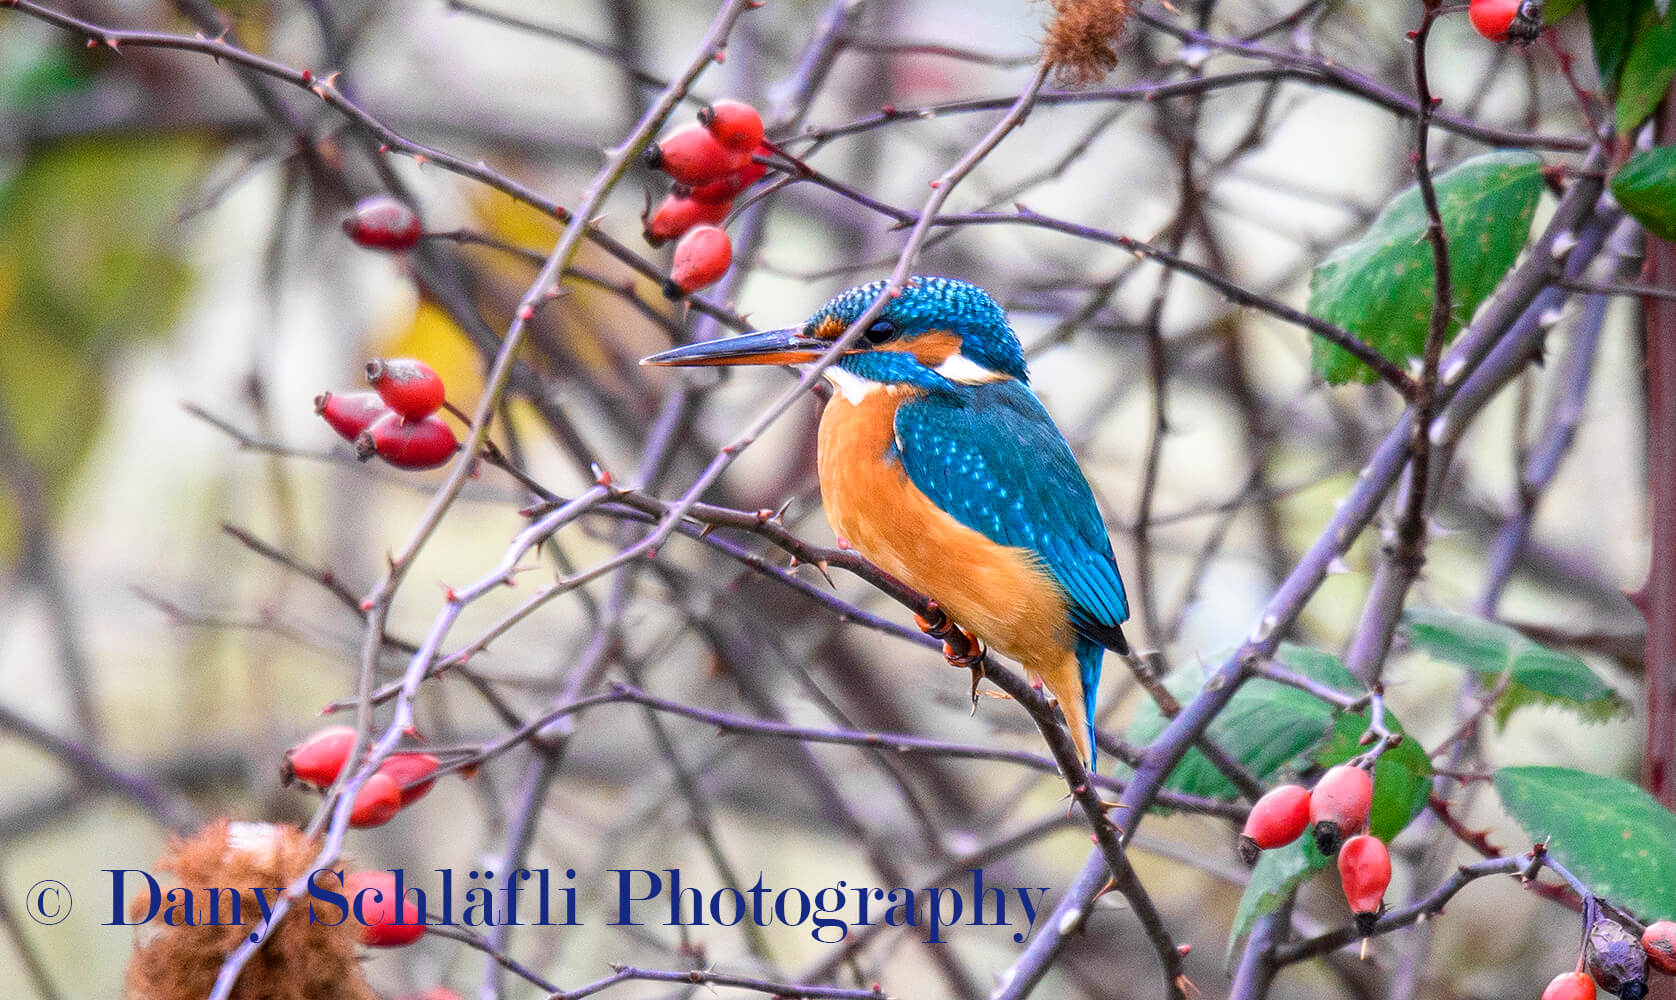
[
  {"x": 1518, "y": 21},
  {"x": 378, "y": 801},
  {"x": 408, "y": 444},
  {"x": 693, "y": 156},
  {"x": 386, "y": 922},
  {"x": 1570, "y": 986},
  {"x": 350, "y": 413},
  {"x": 1364, "y": 868},
  {"x": 701, "y": 258},
  {"x": 730, "y": 184},
  {"x": 319, "y": 759},
  {"x": 1277, "y": 819},
  {"x": 380, "y": 222},
  {"x": 735, "y": 124},
  {"x": 1659, "y": 942},
  {"x": 1339, "y": 805},
  {"x": 412, "y": 773},
  {"x": 409, "y": 387},
  {"x": 676, "y": 215}
]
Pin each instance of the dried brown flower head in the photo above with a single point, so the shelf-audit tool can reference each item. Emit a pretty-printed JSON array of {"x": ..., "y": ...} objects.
[
  {"x": 1082, "y": 39},
  {"x": 301, "y": 960}
]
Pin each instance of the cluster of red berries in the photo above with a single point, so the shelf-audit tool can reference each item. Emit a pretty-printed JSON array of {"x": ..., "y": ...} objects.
[
  {"x": 1517, "y": 21},
  {"x": 398, "y": 421},
  {"x": 380, "y": 222},
  {"x": 1336, "y": 809},
  {"x": 1616, "y": 962},
  {"x": 400, "y": 781},
  {"x": 711, "y": 163}
]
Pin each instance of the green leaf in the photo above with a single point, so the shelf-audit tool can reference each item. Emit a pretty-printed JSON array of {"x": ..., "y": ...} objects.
[
  {"x": 1646, "y": 188},
  {"x": 1609, "y": 833},
  {"x": 1648, "y": 69},
  {"x": 1379, "y": 286},
  {"x": 1276, "y": 874},
  {"x": 1553, "y": 10},
  {"x": 1265, "y": 726},
  {"x": 1610, "y": 22},
  {"x": 1271, "y": 727},
  {"x": 1535, "y": 673}
]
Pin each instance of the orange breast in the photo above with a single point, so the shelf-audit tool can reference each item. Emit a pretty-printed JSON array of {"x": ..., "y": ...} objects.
[{"x": 999, "y": 592}]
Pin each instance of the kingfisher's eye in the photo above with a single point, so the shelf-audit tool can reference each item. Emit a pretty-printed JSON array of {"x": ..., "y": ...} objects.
[{"x": 881, "y": 331}]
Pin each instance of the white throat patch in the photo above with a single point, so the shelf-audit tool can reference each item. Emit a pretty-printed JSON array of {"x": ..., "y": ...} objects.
[
  {"x": 960, "y": 368},
  {"x": 851, "y": 386}
]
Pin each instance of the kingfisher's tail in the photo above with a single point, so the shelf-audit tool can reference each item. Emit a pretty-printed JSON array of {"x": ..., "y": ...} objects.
[
  {"x": 1072, "y": 677},
  {"x": 1090, "y": 655}
]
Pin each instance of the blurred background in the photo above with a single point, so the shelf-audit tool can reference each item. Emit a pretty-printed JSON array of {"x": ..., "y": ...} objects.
[{"x": 175, "y": 289}]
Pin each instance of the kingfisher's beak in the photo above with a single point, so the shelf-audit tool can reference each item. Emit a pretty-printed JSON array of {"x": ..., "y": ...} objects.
[{"x": 769, "y": 347}]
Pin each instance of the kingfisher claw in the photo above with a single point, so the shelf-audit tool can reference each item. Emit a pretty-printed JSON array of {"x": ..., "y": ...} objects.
[
  {"x": 966, "y": 652},
  {"x": 972, "y": 661}
]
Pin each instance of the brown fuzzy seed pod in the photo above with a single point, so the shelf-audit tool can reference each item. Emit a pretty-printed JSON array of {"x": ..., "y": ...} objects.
[
  {"x": 1082, "y": 39},
  {"x": 300, "y": 960}
]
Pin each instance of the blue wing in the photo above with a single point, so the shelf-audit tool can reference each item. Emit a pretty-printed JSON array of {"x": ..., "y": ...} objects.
[{"x": 993, "y": 458}]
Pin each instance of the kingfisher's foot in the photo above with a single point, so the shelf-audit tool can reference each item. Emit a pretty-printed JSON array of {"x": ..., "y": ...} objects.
[
  {"x": 935, "y": 622},
  {"x": 960, "y": 648},
  {"x": 967, "y": 653}
]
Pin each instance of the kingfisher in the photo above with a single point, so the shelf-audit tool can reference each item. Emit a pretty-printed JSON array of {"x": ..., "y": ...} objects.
[{"x": 938, "y": 462}]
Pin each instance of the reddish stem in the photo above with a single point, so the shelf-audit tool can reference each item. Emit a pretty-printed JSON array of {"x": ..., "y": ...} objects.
[{"x": 1658, "y": 596}]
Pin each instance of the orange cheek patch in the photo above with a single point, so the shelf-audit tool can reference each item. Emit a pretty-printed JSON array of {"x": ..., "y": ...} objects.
[
  {"x": 829, "y": 329},
  {"x": 932, "y": 348}
]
